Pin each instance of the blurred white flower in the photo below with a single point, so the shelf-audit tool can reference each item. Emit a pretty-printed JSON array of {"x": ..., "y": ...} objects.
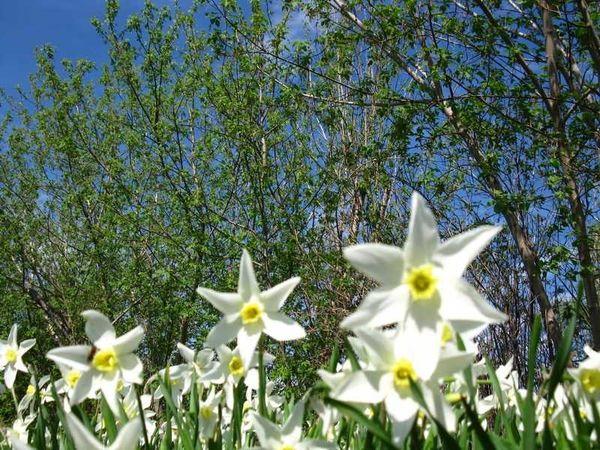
[
  {"x": 209, "y": 413},
  {"x": 248, "y": 312},
  {"x": 588, "y": 374},
  {"x": 288, "y": 436},
  {"x": 11, "y": 356},
  {"x": 106, "y": 365}
]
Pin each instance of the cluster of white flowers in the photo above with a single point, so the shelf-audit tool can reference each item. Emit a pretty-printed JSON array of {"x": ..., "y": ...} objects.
[{"x": 413, "y": 337}]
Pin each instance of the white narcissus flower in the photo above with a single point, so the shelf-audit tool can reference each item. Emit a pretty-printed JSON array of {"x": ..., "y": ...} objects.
[
  {"x": 11, "y": 356},
  {"x": 588, "y": 374},
  {"x": 127, "y": 439},
  {"x": 394, "y": 362},
  {"x": 423, "y": 280},
  {"x": 200, "y": 362},
  {"x": 209, "y": 413},
  {"x": 248, "y": 312},
  {"x": 288, "y": 436},
  {"x": 106, "y": 365},
  {"x": 180, "y": 382}
]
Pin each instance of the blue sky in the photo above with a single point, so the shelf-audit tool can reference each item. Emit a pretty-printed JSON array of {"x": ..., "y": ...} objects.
[{"x": 65, "y": 24}]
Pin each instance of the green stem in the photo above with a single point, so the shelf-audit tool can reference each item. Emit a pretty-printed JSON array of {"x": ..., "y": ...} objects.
[{"x": 262, "y": 381}]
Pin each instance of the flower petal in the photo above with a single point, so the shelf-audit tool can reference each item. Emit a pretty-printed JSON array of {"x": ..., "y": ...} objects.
[
  {"x": 10, "y": 373},
  {"x": 422, "y": 239},
  {"x": 293, "y": 425},
  {"x": 129, "y": 342},
  {"x": 456, "y": 253},
  {"x": 84, "y": 387},
  {"x": 131, "y": 368},
  {"x": 128, "y": 436},
  {"x": 461, "y": 302},
  {"x": 226, "y": 302},
  {"x": 379, "y": 308},
  {"x": 247, "y": 340},
  {"x": 186, "y": 353},
  {"x": 379, "y": 347},
  {"x": 359, "y": 387},
  {"x": 26, "y": 345},
  {"x": 267, "y": 433},
  {"x": 12, "y": 336},
  {"x": 281, "y": 328},
  {"x": 383, "y": 263},
  {"x": 247, "y": 284},
  {"x": 274, "y": 298},
  {"x": 73, "y": 356},
  {"x": 98, "y": 328},
  {"x": 224, "y": 331},
  {"x": 81, "y": 435}
]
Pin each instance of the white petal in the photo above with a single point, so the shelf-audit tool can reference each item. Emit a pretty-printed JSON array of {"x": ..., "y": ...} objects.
[
  {"x": 247, "y": 284},
  {"x": 383, "y": 263},
  {"x": 84, "y": 388},
  {"x": 224, "y": 331},
  {"x": 226, "y": 302},
  {"x": 129, "y": 342},
  {"x": 461, "y": 302},
  {"x": 452, "y": 361},
  {"x": 274, "y": 298},
  {"x": 10, "y": 373},
  {"x": 98, "y": 328},
  {"x": 456, "y": 253},
  {"x": 400, "y": 408},
  {"x": 380, "y": 308},
  {"x": 439, "y": 408},
  {"x": 401, "y": 428},
  {"x": 26, "y": 345},
  {"x": 81, "y": 435},
  {"x": 422, "y": 347},
  {"x": 128, "y": 436},
  {"x": 379, "y": 348},
  {"x": 131, "y": 368},
  {"x": 108, "y": 385},
  {"x": 74, "y": 356},
  {"x": 247, "y": 340},
  {"x": 12, "y": 336},
  {"x": 281, "y": 328},
  {"x": 267, "y": 433},
  {"x": 293, "y": 425},
  {"x": 186, "y": 352},
  {"x": 422, "y": 239},
  {"x": 359, "y": 387}
]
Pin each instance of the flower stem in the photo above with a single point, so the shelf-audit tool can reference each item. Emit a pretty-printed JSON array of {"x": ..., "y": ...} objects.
[{"x": 262, "y": 382}]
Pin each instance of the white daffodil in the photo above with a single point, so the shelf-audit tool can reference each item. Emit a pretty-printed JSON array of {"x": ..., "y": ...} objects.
[
  {"x": 200, "y": 362},
  {"x": 31, "y": 391},
  {"x": 11, "y": 356},
  {"x": 394, "y": 363},
  {"x": 180, "y": 383},
  {"x": 106, "y": 365},
  {"x": 248, "y": 312},
  {"x": 423, "y": 280},
  {"x": 288, "y": 436},
  {"x": 132, "y": 410},
  {"x": 127, "y": 439},
  {"x": 19, "y": 432},
  {"x": 70, "y": 378},
  {"x": 209, "y": 414},
  {"x": 231, "y": 366},
  {"x": 272, "y": 401},
  {"x": 588, "y": 374}
]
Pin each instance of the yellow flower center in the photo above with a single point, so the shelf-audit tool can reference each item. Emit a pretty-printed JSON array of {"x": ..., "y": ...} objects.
[
  {"x": 206, "y": 412},
  {"x": 286, "y": 447},
  {"x": 11, "y": 355},
  {"x": 421, "y": 282},
  {"x": 236, "y": 367},
  {"x": 72, "y": 378},
  {"x": 590, "y": 379},
  {"x": 453, "y": 397},
  {"x": 105, "y": 360},
  {"x": 447, "y": 334},
  {"x": 30, "y": 390},
  {"x": 403, "y": 372},
  {"x": 251, "y": 312}
]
